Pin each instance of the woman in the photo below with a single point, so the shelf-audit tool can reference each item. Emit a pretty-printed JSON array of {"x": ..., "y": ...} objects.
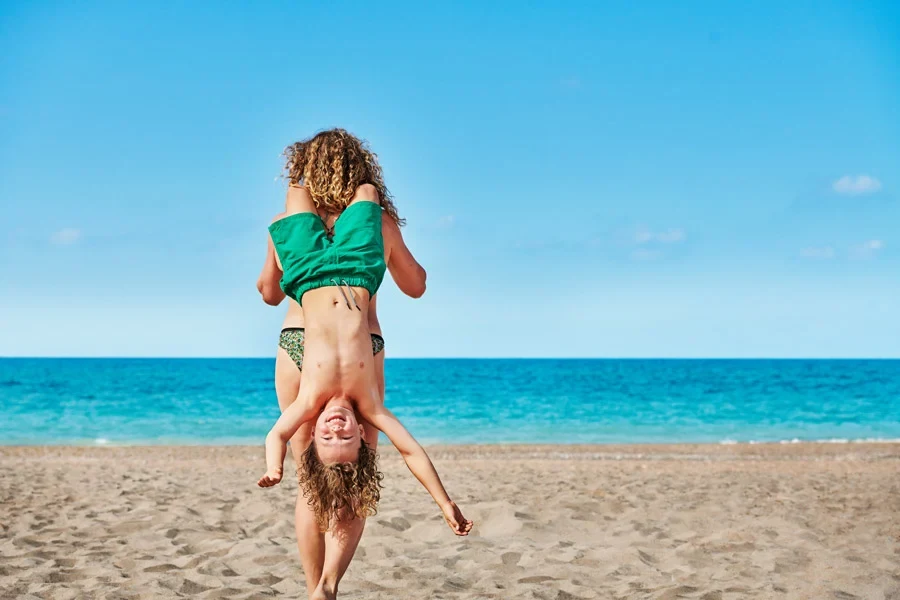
[{"x": 326, "y": 556}]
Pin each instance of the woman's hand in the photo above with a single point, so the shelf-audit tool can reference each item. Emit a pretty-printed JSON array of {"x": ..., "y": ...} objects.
[{"x": 455, "y": 519}]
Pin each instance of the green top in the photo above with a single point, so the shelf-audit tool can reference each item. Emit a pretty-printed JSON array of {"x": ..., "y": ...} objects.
[{"x": 310, "y": 260}]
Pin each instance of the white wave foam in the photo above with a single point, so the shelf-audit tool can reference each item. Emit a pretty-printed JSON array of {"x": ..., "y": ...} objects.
[{"x": 829, "y": 441}]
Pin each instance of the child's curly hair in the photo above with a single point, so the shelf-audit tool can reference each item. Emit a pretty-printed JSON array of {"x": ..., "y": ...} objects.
[
  {"x": 340, "y": 490},
  {"x": 331, "y": 165}
]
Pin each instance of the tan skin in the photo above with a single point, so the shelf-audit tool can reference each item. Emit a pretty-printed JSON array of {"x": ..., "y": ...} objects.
[
  {"x": 339, "y": 379},
  {"x": 325, "y": 557}
]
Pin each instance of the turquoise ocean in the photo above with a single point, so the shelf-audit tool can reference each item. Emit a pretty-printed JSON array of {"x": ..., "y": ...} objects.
[{"x": 463, "y": 401}]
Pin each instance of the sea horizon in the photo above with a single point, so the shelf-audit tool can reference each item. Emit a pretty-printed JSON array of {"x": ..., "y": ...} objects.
[{"x": 487, "y": 358}]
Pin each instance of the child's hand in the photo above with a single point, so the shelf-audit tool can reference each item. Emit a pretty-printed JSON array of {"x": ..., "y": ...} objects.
[
  {"x": 272, "y": 477},
  {"x": 455, "y": 519}
]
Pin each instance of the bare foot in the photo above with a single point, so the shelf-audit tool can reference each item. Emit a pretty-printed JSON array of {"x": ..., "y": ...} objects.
[{"x": 323, "y": 592}]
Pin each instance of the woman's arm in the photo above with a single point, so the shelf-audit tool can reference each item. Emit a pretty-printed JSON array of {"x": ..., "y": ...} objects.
[
  {"x": 269, "y": 282},
  {"x": 407, "y": 273},
  {"x": 420, "y": 465}
]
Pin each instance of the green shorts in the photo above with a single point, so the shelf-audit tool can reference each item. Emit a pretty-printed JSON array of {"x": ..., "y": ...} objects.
[{"x": 309, "y": 259}]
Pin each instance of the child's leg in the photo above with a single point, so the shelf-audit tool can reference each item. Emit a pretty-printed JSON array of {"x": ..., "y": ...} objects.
[
  {"x": 298, "y": 200},
  {"x": 365, "y": 193}
]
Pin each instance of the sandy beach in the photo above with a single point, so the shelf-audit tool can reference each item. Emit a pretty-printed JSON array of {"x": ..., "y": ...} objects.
[{"x": 552, "y": 522}]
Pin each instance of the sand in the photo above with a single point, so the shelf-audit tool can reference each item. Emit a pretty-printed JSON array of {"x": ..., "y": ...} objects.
[{"x": 710, "y": 522}]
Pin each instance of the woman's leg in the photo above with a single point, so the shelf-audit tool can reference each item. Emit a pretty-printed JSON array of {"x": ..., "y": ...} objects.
[
  {"x": 341, "y": 542},
  {"x": 344, "y": 537},
  {"x": 310, "y": 541}
]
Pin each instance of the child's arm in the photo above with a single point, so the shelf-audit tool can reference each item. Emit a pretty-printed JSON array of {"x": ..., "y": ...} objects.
[
  {"x": 420, "y": 466},
  {"x": 298, "y": 413}
]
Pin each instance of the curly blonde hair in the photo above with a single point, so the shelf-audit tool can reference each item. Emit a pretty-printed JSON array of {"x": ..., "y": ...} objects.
[
  {"x": 340, "y": 490},
  {"x": 331, "y": 165}
]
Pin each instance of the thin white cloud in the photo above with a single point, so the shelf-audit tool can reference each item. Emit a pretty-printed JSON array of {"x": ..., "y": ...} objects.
[
  {"x": 669, "y": 236},
  {"x": 817, "y": 252},
  {"x": 447, "y": 221},
  {"x": 850, "y": 185},
  {"x": 672, "y": 236},
  {"x": 645, "y": 254},
  {"x": 869, "y": 248},
  {"x": 642, "y": 236},
  {"x": 66, "y": 237},
  {"x": 873, "y": 245}
]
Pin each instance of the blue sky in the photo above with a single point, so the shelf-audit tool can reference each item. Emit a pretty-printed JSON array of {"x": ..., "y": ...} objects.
[{"x": 659, "y": 179}]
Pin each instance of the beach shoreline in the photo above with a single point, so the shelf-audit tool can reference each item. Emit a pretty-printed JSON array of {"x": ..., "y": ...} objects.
[{"x": 805, "y": 520}]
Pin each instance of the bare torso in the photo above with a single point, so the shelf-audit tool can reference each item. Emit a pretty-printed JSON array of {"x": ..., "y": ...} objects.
[
  {"x": 338, "y": 361},
  {"x": 287, "y": 376},
  {"x": 294, "y": 316}
]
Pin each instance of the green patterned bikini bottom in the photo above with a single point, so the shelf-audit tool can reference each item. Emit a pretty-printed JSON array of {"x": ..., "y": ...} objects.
[{"x": 291, "y": 340}]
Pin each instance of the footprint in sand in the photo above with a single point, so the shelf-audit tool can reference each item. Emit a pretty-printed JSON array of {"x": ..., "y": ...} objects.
[
  {"x": 66, "y": 576},
  {"x": 647, "y": 559},
  {"x": 65, "y": 562},
  {"x": 564, "y": 595},
  {"x": 267, "y": 580},
  {"x": 456, "y": 585},
  {"x": 397, "y": 523},
  {"x": 270, "y": 560},
  {"x": 679, "y": 592},
  {"x": 449, "y": 563},
  {"x": 160, "y": 568},
  {"x": 225, "y": 593},
  {"x": 192, "y": 587},
  {"x": 537, "y": 579}
]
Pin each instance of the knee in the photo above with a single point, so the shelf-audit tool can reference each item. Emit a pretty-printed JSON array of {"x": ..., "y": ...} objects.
[
  {"x": 298, "y": 200},
  {"x": 366, "y": 191}
]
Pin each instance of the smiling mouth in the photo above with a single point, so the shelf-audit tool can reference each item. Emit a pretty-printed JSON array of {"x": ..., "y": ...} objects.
[{"x": 338, "y": 417}]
